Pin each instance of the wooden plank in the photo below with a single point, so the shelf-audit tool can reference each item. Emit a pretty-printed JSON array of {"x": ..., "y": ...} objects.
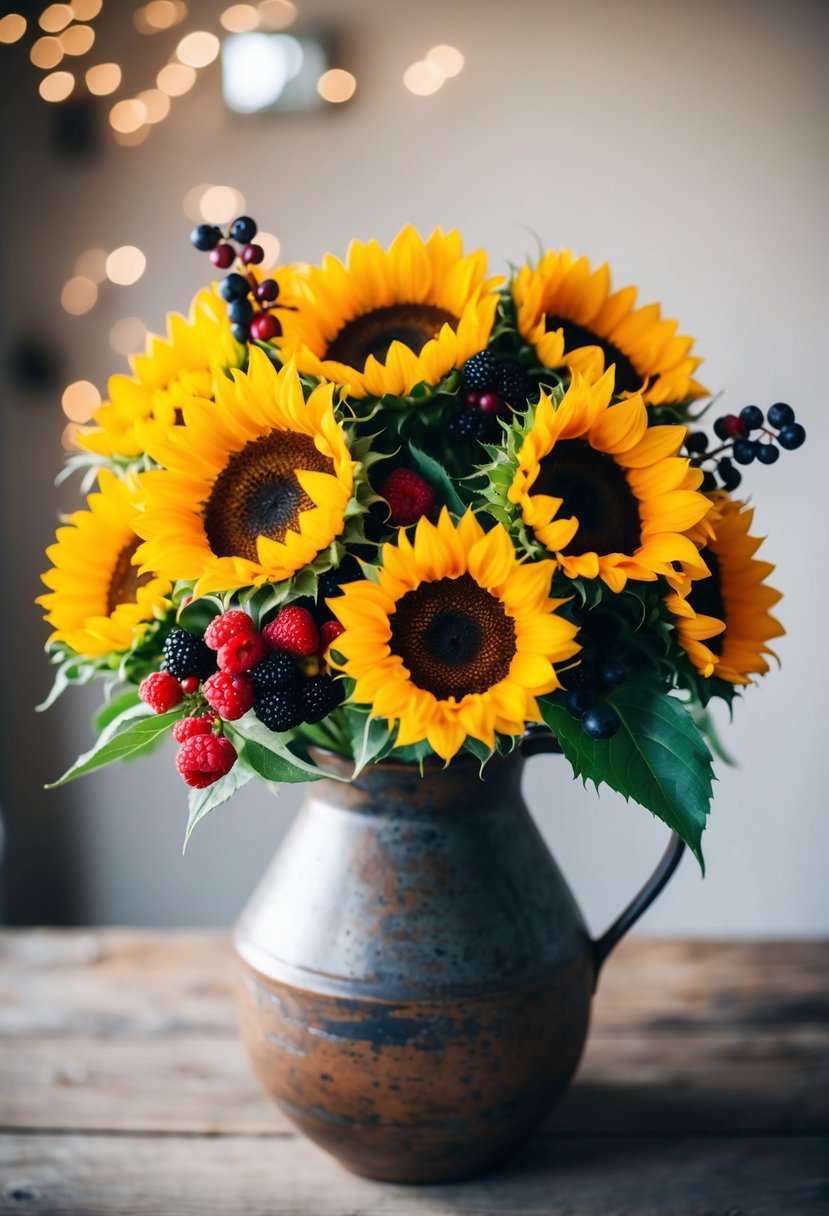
[{"x": 134, "y": 1176}]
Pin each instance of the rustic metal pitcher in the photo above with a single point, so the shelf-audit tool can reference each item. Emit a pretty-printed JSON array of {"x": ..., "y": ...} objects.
[{"x": 416, "y": 976}]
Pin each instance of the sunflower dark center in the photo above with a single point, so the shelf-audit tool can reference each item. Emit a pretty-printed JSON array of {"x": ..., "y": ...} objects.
[
  {"x": 373, "y": 333},
  {"x": 628, "y": 379},
  {"x": 454, "y": 637},
  {"x": 258, "y": 494},
  {"x": 706, "y": 598},
  {"x": 125, "y": 580},
  {"x": 594, "y": 488}
]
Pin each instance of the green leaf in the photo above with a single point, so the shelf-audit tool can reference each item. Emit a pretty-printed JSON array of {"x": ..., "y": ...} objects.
[
  {"x": 369, "y": 737},
  {"x": 124, "y": 739},
  {"x": 249, "y": 728},
  {"x": 434, "y": 472},
  {"x": 273, "y": 767},
  {"x": 115, "y": 708},
  {"x": 202, "y": 802},
  {"x": 658, "y": 757}
]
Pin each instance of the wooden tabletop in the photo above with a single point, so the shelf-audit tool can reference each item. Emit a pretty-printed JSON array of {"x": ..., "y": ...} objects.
[{"x": 123, "y": 1089}]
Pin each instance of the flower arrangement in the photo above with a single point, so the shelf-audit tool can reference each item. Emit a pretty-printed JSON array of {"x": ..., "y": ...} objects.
[{"x": 396, "y": 508}]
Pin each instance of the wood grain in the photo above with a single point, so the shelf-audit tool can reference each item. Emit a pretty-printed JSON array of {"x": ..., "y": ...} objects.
[{"x": 123, "y": 1088}]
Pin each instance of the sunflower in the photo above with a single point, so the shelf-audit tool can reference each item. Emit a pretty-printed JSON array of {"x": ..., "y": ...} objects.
[
  {"x": 386, "y": 321},
  {"x": 603, "y": 491},
  {"x": 456, "y": 638},
  {"x": 253, "y": 486},
  {"x": 571, "y": 318},
  {"x": 142, "y": 407},
  {"x": 98, "y": 602},
  {"x": 724, "y": 621}
]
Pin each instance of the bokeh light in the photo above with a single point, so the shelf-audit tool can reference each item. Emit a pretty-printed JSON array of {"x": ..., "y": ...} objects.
[
  {"x": 191, "y": 203},
  {"x": 127, "y": 336},
  {"x": 198, "y": 49},
  {"x": 128, "y": 115},
  {"x": 240, "y": 18},
  {"x": 131, "y": 139},
  {"x": 220, "y": 204},
  {"x": 422, "y": 78},
  {"x": 77, "y": 40},
  {"x": 336, "y": 85},
  {"x": 55, "y": 18},
  {"x": 125, "y": 265},
  {"x": 176, "y": 79},
  {"x": 46, "y": 53},
  {"x": 57, "y": 86},
  {"x": 86, "y": 10},
  {"x": 78, "y": 295},
  {"x": 69, "y": 438},
  {"x": 271, "y": 246},
  {"x": 447, "y": 59},
  {"x": 159, "y": 15},
  {"x": 92, "y": 264},
  {"x": 103, "y": 78},
  {"x": 156, "y": 105},
  {"x": 276, "y": 14},
  {"x": 13, "y": 27},
  {"x": 80, "y": 400}
]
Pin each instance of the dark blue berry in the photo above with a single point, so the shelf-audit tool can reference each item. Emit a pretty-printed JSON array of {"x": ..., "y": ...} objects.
[
  {"x": 708, "y": 483},
  {"x": 243, "y": 229},
  {"x": 791, "y": 436},
  {"x": 697, "y": 442},
  {"x": 205, "y": 237},
  {"x": 752, "y": 416},
  {"x": 579, "y": 700},
  {"x": 612, "y": 674},
  {"x": 277, "y": 670},
  {"x": 721, "y": 428},
  {"x": 240, "y": 332},
  {"x": 744, "y": 451},
  {"x": 234, "y": 287},
  {"x": 600, "y": 722},
  {"x": 780, "y": 415},
  {"x": 480, "y": 372},
  {"x": 240, "y": 311},
  {"x": 767, "y": 453},
  {"x": 729, "y": 476}
]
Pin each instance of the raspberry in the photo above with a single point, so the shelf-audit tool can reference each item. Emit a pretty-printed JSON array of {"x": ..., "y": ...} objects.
[
  {"x": 330, "y": 631},
  {"x": 513, "y": 385},
  {"x": 241, "y": 652},
  {"x": 278, "y": 670},
  {"x": 203, "y": 759},
  {"x": 409, "y": 496},
  {"x": 294, "y": 630},
  {"x": 279, "y": 709},
  {"x": 318, "y": 697},
  {"x": 230, "y": 696},
  {"x": 480, "y": 371},
  {"x": 222, "y": 628},
  {"x": 161, "y": 692},
  {"x": 186, "y": 655},
  {"x": 203, "y": 725}
]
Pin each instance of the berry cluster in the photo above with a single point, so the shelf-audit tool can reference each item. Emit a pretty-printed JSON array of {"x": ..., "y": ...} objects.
[
  {"x": 490, "y": 387},
  {"x": 777, "y": 429},
  {"x": 585, "y": 684},
  {"x": 250, "y": 318}
]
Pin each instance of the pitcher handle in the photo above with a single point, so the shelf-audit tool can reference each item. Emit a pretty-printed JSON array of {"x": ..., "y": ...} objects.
[{"x": 539, "y": 740}]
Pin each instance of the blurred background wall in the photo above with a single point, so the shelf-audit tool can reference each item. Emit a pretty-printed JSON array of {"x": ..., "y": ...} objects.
[{"x": 688, "y": 144}]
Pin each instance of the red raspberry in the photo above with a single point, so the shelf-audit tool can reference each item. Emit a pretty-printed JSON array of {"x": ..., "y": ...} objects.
[
  {"x": 189, "y": 685},
  {"x": 230, "y": 696},
  {"x": 222, "y": 628},
  {"x": 409, "y": 496},
  {"x": 161, "y": 691},
  {"x": 203, "y": 759},
  {"x": 329, "y": 632},
  {"x": 203, "y": 725},
  {"x": 294, "y": 630},
  {"x": 241, "y": 652}
]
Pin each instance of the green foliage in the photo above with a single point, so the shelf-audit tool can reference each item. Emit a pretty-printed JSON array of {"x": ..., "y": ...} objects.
[
  {"x": 201, "y": 802},
  {"x": 433, "y": 471},
  {"x": 658, "y": 757},
  {"x": 132, "y": 734}
]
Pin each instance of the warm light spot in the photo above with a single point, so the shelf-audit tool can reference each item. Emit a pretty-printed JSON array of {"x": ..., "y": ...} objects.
[
  {"x": 57, "y": 86},
  {"x": 176, "y": 79},
  {"x": 159, "y": 15},
  {"x": 276, "y": 14},
  {"x": 125, "y": 265},
  {"x": 131, "y": 139},
  {"x": 219, "y": 204},
  {"x": 447, "y": 59},
  {"x": 13, "y": 26},
  {"x": 46, "y": 53},
  {"x": 422, "y": 78},
  {"x": 156, "y": 104},
  {"x": 104, "y": 78},
  {"x": 92, "y": 264},
  {"x": 191, "y": 203},
  {"x": 127, "y": 335},
  {"x": 80, "y": 400},
  {"x": 127, "y": 116},
  {"x": 77, "y": 40},
  {"x": 271, "y": 246},
  {"x": 55, "y": 18},
  {"x": 78, "y": 295},
  {"x": 86, "y": 10},
  {"x": 198, "y": 49},
  {"x": 69, "y": 438},
  {"x": 240, "y": 18},
  {"x": 336, "y": 85}
]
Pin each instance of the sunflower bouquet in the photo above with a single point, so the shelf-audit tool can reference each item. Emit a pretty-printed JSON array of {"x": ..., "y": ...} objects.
[{"x": 397, "y": 508}]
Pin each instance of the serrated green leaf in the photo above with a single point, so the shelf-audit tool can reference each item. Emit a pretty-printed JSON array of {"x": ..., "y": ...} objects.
[
  {"x": 202, "y": 802},
  {"x": 115, "y": 708},
  {"x": 658, "y": 757},
  {"x": 432, "y": 471},
  {"x": 273, "y": 767},
  {"x": 369, "y": 738},
  {"x": 127, "y": 737},
  {"x": 251, "y": 729}
]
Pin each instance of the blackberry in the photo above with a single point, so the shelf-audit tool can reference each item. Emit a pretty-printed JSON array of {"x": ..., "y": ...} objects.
[
  {"x": 513, "y": 385},
  {"x": 278, "y": 709},
  {"x": 348, "y": 571},
  {"x": 467, "y": 424},
  {"x": 186, "y": 655},
  {"x": 277, "y": 670},
  {"x": 480, "y": 372},
  {"x": 318, "y": 697}
]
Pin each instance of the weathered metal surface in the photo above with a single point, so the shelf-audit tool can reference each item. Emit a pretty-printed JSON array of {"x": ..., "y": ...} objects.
[{"x": 416, "y": 975}]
